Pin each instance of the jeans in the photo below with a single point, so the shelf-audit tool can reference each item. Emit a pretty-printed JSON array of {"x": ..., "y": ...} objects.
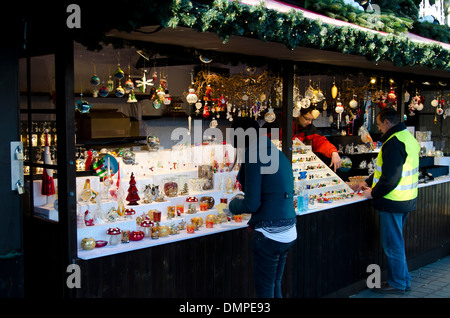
[
  {"x": 269, "y": 259},
  {"x": 394, "y": 247}
]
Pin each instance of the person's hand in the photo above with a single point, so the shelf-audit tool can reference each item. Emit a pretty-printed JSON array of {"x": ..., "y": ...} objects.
[
  {"x": 335, "y": 161},
  {"x": 367, "y": 192},
  {"x": 359, "y": 186}
]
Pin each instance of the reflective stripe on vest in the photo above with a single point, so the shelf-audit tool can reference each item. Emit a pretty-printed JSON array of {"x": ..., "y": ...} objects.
[{"x": 407, "y": 186}]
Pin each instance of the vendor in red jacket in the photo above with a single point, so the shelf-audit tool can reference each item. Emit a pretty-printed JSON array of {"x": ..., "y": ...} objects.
[{"x": 308, "y": 134}]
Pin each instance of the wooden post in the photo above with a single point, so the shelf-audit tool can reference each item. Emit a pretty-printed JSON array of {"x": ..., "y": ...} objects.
[
  {"x": 65, "y": 125},
  {"x": 288, "y": 100}
]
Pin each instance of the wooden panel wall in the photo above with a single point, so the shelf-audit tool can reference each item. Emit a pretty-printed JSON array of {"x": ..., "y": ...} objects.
[{"x": 332, "y": 252}]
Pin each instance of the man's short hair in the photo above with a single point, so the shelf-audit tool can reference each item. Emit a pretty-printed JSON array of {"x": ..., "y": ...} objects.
[{"x": 390, "y": 114}]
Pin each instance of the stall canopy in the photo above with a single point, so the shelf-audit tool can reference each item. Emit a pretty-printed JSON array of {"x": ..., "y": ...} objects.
[{"x": 270, "y": 29}]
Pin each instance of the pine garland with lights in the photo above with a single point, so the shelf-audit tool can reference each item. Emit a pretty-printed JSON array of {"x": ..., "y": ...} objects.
[{"x": 231, "y": 18}]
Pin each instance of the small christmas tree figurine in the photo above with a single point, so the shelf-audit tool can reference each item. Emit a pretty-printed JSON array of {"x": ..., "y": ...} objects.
[{"x": 132, "y": 196}]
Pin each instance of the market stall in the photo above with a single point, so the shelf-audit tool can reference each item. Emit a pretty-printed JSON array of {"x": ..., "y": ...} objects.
[{"x": 143, "y": 217}]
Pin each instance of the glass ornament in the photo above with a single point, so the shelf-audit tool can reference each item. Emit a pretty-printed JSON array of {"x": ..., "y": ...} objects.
[
  {"x": 129, "y": 85},
  {"x": 334, "y": 91},
  {"x": 132, "y": 98},
  {"x": 152, "y": 142},
  {"x": 319, "y": 96},
  {"x": 315, "y": 113},
  {"x": 213, "y": 123},
  {"x": 95, "y": 80},
  {"x": 346, "y": 164},
  {"x": 119, "y": 74},
  {"x": 103, "y": 91},
  {"x": 110, "y": 84},
  {"x": 353, "y": 103},
  {"x": 119, "y": 91},
  {"x": 156, "y": 104},
  {"x": 83, "y": 106},
  {"x": 270, "y": 116},
  {"x": 309, "y": 93},
  {"x": 191, "y": 98},
  {"x": 167, "y": 99}
]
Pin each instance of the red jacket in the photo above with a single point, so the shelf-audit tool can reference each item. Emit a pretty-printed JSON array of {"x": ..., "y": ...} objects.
[{"x": 319, "y": 143}]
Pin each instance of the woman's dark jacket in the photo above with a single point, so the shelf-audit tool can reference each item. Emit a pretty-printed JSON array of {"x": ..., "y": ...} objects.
[{"x": 268, "y": 196}]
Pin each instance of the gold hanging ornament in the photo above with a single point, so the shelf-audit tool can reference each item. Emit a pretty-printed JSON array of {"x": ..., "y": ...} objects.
[{"x": 334, "y": 91}]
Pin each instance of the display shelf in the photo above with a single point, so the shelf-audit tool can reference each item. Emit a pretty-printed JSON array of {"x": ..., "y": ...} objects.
[
  {"x": 319, "y": 180},
  {"x": 148, "y": 242}
]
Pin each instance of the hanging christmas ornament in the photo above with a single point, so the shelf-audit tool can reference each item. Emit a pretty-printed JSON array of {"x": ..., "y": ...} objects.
[
  {"x": 439, "y": 111},
  {"x": 160, "y": 94},
  {"x": 208, "y": 93},
  {"x": 434, "y": 102},
  {"x": 418, "y": 106},
  {"x": 103, "y": 91},
  {"x": 198, "y": 106},
  {"x": 167, "y": 99},
  {"x": 189, "y": 124},
  {"x": 213, "y": 123},
  {"x": 325, "y": 105},
  {"x": 131, "y": 98},
  {"x": 156, "y": 104},
  {"x": 296, "y": 112},
  {"x": 119, "y": 74},
  {"x": 144, "y": 82},
  {"x": 315, "y": 113},
  {"x": 407, "y": 97},
  {"x": 152, "y": 95},
  {"x": 205, "y": 111},
  {"x": 334, "y": 91},
  {"x": 95, "y": 80},
  {"x": 119, "y": 91},
  {"x": 262, "y": 97},
  {"x": 110, "y": 84},
  {"x": 270, "y": 116},
  {"x": 82, "y": 106},
  {"x": 391, "y": 97},
  {"x": 95, "y": 92},
  {"x": 163, "y": 83},
  {"x": 191, "y": 98},
  {"x": 318, "y": 96},
  {"x": 129, "y": 85},
  {"x": 353, "y": 103},
  {"x": 309, "y": 94},
  {"x": 339, "y": 109}
]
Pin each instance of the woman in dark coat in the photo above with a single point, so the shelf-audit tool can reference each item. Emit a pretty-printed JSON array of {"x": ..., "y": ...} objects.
[{"x": 268, "y": 186}]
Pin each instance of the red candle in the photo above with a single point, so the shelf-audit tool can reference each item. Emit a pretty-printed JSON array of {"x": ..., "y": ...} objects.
[
  {"x": 157, "y": 216},
  {"x": 203, "y": 206},
  {"x": 190, "y": 228}
]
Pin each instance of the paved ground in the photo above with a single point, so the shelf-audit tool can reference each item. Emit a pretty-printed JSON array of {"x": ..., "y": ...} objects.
[{"x": 430, "y": 281}]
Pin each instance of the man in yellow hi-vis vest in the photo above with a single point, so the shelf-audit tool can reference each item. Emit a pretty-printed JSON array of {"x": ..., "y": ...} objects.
[{"x": 394, "y": 193}]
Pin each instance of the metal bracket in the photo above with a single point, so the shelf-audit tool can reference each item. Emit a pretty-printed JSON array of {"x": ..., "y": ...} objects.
[{"x": 17, "y": 181}]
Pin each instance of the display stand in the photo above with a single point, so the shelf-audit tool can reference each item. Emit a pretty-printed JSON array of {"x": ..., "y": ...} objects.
[
  {"x": 161, "y": 168},
  {"x": 321, "y": 183}
]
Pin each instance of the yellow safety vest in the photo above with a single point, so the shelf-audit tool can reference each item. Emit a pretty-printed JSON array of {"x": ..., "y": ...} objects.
[{"x": 407, "y": 187}]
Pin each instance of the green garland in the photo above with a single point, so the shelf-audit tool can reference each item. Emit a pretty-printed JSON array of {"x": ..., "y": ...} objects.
[
  {"x": 227, "y": 18},
  {"x": 337, "y": 9}
]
